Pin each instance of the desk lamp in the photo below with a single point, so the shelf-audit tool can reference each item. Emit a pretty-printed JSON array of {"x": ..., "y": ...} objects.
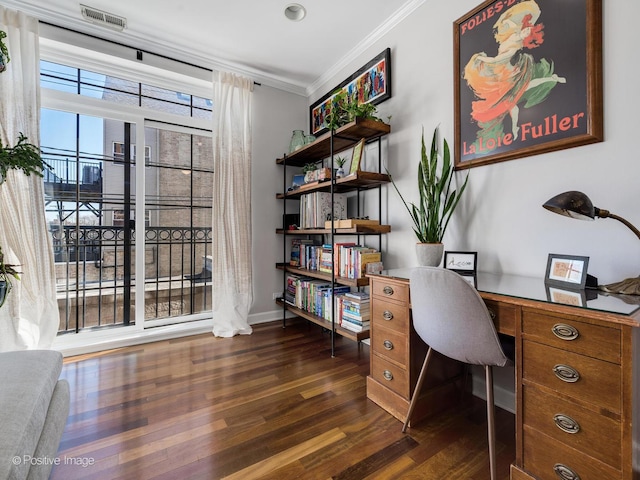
[{"x": 578, "y": 205}]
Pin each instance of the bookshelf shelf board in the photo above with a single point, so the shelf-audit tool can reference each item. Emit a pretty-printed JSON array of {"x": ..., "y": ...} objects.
[
  {"x": 352, "y": 282},
  {"x": 343, "y": 332},
  {"x": 343, "y": 138},
  {"x": 361, "y": 180},
  {"x": 357, "y": 230}
]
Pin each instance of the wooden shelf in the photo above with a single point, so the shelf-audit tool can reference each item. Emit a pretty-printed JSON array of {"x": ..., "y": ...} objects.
[
  {"x": 343, "y": 138},
  {"x": 352, "y": 282},
  {"x": 343, "y": 332},
  {"x": 358, "y": 180},
  {"x": 357, "y": 230}
]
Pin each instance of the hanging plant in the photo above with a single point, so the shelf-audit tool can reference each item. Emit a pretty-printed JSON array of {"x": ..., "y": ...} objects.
[
  {"x": 23, "y": 156},
  {"x": 4, "y": 53}
]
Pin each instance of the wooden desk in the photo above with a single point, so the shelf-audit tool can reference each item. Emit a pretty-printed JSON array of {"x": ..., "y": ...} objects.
[{"x": 576, "y": 372}]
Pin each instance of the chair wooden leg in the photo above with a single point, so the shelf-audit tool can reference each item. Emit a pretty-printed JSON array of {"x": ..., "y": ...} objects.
[
  {"x": 490, "y": 421},
  {"x": 416, "y": 391}
]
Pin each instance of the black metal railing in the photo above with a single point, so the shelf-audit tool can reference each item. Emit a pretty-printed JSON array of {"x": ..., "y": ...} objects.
[{"x": 91, "y": 278}]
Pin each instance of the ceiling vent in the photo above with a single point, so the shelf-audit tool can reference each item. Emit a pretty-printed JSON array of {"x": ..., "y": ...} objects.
[{"x": 104, "y": 19}]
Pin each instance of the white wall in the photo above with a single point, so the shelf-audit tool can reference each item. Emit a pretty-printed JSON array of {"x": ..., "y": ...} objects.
[
  {"x": 501, "y": 215},
  {"x": 275, "y": 115}
]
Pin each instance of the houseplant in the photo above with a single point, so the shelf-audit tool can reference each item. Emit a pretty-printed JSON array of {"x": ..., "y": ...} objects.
[
  {"x": 4, "y": 52},
  {"x": 437, "y": 201},
  {"x": 6, "y": 273},
  {"x": 344, "y": 110},
  {"x": 340, "y": 162},
  {"x": 26, "y": 157}
]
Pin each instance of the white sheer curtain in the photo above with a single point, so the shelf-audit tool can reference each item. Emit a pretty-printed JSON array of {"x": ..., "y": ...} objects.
[
  {"x": 232, "y": 282},
  {"x": 29, "y": 318}
]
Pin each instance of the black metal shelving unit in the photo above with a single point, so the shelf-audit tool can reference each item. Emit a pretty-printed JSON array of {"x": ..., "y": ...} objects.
[{"x": 326, "y": 147}]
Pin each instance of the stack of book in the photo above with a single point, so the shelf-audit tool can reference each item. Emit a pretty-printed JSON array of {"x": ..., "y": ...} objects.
[{"x": 356, "y": 313}]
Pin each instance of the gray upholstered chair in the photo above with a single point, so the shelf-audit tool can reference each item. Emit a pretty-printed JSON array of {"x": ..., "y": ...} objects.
[{"x": 451, "y": 318}]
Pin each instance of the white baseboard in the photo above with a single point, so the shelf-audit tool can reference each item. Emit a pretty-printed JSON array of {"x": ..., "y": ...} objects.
[{"x": 91, "y": 341}]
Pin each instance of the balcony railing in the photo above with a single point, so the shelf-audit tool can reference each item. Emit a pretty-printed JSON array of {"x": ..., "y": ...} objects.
[{"x": 93, "y": 281}]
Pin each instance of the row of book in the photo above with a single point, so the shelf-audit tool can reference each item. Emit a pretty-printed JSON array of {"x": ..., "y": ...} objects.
[
  {"x": 350, "y": 260},
  {"x": 315, "y": 208},
  {"x": 351, "y": 309}
]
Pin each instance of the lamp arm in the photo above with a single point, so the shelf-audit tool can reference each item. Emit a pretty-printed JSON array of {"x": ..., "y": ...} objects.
[{"x": 606, "y": 214}]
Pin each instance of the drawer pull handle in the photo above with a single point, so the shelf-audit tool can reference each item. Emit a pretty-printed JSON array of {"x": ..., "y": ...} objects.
[
  {"x": 388, "y": 345},
  {"x": 387, "y": 315},
  {"x": 492, "y": 314},
  {"x": 566, "y": 373},
  {"x": 388, "y": 290},
  {"x": 387, "y": 375},
  {"x": 565, "y": 332},
  {"x": 566, "y": 423},
  {"x": 565, "y": 473}
]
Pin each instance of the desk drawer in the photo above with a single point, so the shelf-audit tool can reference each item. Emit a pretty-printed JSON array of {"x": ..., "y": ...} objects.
[
  {"x": 389, "y": 290},
  {"x": 389, "y": 315},
  {"x": 585, "y": 430},
  {"x": 543, "y": 457},
  {"x": 503, "y": 315},
  {"x": 390, "y": 376},
  {"x": 594, "y": 381},
  {"x": 572, "y": 335},
  {"x": 391, "y": 345}
]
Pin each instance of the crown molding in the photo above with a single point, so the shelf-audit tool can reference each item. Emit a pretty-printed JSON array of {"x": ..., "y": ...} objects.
[
  {"x": 155, "y": 46},
  {"x": 353, "y": 54}
]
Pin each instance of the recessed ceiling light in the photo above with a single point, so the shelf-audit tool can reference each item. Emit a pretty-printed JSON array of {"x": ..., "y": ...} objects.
[{"x": 295, "y": 12}]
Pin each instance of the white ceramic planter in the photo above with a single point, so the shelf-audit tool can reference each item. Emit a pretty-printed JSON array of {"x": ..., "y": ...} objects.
[{"x": 429, "y": 254}]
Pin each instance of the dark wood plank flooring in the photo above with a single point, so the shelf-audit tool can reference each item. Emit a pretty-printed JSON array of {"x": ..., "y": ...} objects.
[{"x": 272, "y": 405}]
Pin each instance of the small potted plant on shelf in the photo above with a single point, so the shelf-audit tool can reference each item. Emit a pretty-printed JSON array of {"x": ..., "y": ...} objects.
[
  {"x": 309, "y": 170},
  {"x": 26, "y": 157},
  {"x": 437, "y": 201},
  {"x": 340, "y": 162}
]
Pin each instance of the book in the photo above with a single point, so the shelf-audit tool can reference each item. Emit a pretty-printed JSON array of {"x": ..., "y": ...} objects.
[{"x": 358, "y": 296}]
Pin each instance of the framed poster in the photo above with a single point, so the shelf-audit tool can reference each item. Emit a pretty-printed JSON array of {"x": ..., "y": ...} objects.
[
  {"x": 527, "y": 79},
  {"x": 370, "y": 84}
]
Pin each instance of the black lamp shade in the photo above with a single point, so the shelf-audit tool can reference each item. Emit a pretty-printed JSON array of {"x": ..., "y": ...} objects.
[{"x": 571, "y": 204}]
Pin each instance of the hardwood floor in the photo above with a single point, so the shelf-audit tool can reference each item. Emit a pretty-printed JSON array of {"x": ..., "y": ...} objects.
[{"x": 272, "y": 405}]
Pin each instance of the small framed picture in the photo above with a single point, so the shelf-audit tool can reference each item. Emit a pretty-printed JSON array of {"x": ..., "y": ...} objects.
[
  {"x": 567, "y": 270},
  {"x": 356, "y": 157},
  {"x": 461, "y": 262}
]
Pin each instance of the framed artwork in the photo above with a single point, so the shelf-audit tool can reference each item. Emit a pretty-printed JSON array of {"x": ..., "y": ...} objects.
[
  {"x": 461, "y": 262},
  {"x": 356, "y": 158},
  {"x": 370, "y": 84},
  {"x": 566, "y": 270},
  {"x": 527, "y": 79}
]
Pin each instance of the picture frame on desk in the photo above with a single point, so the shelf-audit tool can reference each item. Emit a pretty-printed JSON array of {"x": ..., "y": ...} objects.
[
  {"x": 464, "y": 263},
  {"x": 569, "y": 271}
]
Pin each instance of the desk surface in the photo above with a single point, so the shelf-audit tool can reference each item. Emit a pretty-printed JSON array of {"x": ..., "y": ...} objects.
[{"x": 533, "y": 288}]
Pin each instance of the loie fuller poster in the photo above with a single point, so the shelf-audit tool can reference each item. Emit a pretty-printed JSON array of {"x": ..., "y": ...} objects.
[{"x": 528, "y": 79}]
